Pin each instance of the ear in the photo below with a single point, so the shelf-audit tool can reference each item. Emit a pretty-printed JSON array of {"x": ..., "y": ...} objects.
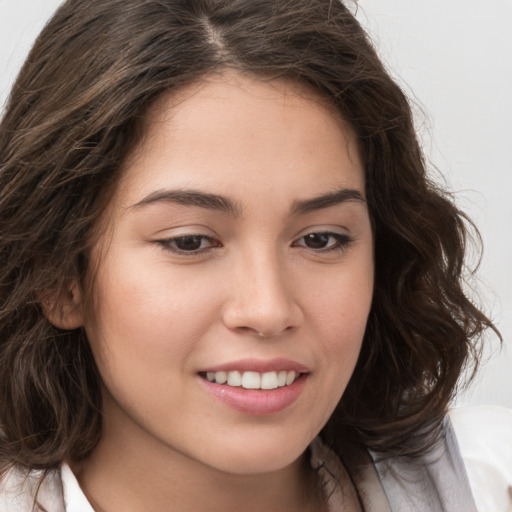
[{"x": 65, "y": 310}]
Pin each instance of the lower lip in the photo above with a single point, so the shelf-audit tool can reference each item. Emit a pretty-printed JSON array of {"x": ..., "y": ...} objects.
[{"x": 260, "y": 402}]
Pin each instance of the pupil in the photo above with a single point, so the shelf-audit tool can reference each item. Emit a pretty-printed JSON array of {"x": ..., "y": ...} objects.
[
  {"x": 189, "y": 243},
  {"x": 317, "y": 241}
]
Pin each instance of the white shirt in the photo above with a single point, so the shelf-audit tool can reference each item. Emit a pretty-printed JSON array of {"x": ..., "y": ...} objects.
[{"x": 484, "y": 435}]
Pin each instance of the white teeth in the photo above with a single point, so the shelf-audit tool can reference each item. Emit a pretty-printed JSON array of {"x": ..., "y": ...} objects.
[
  {"x": 221, "y": 377},
  {"x": 269, "y": 380},
  {"x": 234, "y": 379},
  {"x": 251, "y": 380},
  {"x": 254, "y": 380}
]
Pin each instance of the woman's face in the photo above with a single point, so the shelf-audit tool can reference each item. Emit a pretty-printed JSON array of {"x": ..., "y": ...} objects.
[{"x": 240, "y": 249}]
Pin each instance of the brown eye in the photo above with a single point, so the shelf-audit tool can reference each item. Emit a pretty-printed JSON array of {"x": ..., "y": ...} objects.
[
  {"x": 324, "y": 241},
  {"x": 188, "y": 244},
  {"x": 317, "y": 240}
]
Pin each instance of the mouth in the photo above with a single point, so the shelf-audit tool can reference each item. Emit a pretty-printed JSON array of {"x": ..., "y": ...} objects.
[
  {"x": 255, "y": 386},
  {"x": 253, "y": 380},
  {"x": 255, "y": 393}
]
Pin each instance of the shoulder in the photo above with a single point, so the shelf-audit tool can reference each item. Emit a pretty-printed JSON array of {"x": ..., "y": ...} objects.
[
  {"x": 18, "y": 490},
  {"x": 484, "y": 438}
]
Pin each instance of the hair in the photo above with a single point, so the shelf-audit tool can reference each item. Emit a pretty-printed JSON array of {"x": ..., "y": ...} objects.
[{"x": 75, "y": 112}]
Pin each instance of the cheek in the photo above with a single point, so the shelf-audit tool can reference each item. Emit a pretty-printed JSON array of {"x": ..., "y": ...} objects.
[
  {"x": 341, "y": 303},
  {"x": 337, "y": 322},
  {"x": 338, "y": 313},
  {"x": 143, "y": 313}
]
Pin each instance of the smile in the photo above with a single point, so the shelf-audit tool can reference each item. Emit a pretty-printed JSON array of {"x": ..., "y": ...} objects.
[
  {"x": 254, "y": 380},
  {"x": 256, "y": 386}
]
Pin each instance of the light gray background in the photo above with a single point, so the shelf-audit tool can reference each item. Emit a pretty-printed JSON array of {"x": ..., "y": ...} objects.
[{"x": 457, "y": 58}]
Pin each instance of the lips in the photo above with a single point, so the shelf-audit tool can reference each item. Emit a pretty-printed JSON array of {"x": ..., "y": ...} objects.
[{"x": 256, "y": 387}]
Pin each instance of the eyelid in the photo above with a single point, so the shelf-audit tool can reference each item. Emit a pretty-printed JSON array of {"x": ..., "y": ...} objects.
[
  {"x": 185, "y": 229},
  {"x": 324, "y": 229}
]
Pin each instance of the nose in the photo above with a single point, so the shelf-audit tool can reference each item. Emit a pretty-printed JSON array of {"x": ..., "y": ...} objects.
[{"x": 262, "y": 298}]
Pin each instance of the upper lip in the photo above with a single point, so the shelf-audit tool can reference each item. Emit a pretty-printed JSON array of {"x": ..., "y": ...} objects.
[{"x": 259, "y": 365}]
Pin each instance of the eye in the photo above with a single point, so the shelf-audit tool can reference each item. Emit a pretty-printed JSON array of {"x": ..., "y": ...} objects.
[
  {"x": 324, "y": 241},
  {"x": 188, "y": 244}
]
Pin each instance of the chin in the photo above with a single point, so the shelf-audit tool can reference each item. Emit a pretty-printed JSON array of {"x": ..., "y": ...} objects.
[{"x": 258, "y": 457}]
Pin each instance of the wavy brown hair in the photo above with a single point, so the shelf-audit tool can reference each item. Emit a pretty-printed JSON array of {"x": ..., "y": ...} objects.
[{"x": 76, "y": 110}]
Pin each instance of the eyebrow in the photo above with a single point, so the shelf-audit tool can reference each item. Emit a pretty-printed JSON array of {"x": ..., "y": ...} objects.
[
  {"x": 191, "y": 198},
  {"x": 326, "y": 201},
  {"x": 226, "y": 205}
]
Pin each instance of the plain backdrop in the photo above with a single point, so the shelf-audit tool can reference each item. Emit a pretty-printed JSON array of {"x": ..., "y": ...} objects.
[{"x": 454, "y": 60}]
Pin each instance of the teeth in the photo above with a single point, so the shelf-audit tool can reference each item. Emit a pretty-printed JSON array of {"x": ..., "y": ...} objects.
[
  {"x": 221, "y": 377},
  {"x": 269, "y": 380},
  {"x": 234, "y": 379},
  {"x": 254, "y": 380},
  {"x": 251, "y": 380}
]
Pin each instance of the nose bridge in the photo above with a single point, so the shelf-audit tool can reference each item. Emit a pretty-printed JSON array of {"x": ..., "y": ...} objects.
[{"x": 262, "y": 298}]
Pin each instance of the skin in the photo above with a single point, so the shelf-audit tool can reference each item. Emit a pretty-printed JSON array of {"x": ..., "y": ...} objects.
[{"x": 162, "y": 315}]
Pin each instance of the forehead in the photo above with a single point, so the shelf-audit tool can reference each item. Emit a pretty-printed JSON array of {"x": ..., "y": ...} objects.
[
  {"x": 228, "y": 85},
  {"x": 235, "y": 133}
]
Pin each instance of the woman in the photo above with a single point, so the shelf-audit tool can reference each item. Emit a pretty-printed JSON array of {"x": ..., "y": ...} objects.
[{"x": 224, "y": 268}]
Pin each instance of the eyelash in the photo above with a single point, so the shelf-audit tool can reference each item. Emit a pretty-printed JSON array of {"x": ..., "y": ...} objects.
[
  {"x": 341, "y": 242},
  {"x": 170, "y": 244}
]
